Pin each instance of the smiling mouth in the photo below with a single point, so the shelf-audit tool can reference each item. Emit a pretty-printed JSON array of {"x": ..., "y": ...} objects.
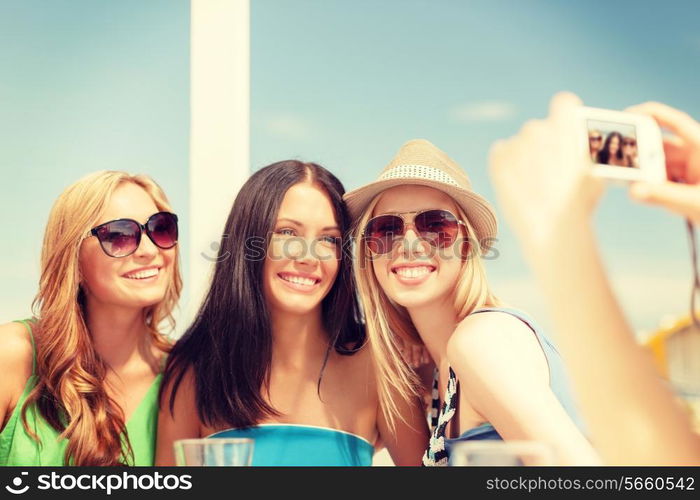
[
  {"x": 413, "y": 272},
  {"x": 299, "y": 280},
  {"x": 142, "y": 275}
]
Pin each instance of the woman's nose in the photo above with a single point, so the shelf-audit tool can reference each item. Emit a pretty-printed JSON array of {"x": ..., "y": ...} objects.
[{"x": 413, "y": 243}]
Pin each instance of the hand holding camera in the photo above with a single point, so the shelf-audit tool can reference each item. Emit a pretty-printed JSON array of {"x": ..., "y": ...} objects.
[
  {"x": 545, "y": 176},
  {"x": 548, "y": 178},
  {"x": 681, "y": 194}
]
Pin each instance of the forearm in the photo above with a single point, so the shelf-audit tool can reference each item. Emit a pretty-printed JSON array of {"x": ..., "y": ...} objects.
[{"x": 632, "y": 416}]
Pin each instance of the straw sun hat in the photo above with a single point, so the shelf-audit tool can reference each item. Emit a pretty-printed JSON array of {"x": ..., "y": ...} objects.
[{"x": 420, "y": 163}]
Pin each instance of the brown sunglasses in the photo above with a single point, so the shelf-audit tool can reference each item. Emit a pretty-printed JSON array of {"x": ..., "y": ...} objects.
[{"x": 440, "y": 228}]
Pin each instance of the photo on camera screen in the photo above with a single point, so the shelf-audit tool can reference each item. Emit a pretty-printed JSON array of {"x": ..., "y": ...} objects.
[{"x": 613, "y": 144}]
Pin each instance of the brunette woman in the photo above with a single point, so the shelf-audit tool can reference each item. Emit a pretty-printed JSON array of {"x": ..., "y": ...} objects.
[{"x": 277, "y": 351}]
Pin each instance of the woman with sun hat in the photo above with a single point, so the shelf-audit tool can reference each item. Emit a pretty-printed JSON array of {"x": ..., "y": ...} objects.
[{"x": 420, "y": 231}]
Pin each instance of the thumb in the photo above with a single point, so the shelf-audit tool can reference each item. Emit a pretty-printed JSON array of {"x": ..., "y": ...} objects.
[
  {"x": 564, "y": 102},
  {"x": 684, "y": 199},
  {"x": 562, "y": 107}
]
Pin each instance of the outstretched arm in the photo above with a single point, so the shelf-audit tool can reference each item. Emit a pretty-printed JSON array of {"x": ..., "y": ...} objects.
[{"x": 548, "y": 197}]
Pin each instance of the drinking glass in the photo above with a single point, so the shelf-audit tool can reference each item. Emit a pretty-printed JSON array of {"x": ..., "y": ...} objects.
[
  {"x": 503, "y": 453},
  {"x": 224, "y": 452}
]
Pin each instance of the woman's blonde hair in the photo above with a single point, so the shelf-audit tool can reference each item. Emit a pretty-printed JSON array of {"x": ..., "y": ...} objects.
[
  {"x": 70, "y": 391},
  {"x": 389, "y": 326}
]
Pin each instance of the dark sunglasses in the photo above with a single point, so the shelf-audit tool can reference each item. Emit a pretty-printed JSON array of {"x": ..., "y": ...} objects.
[
  {"x": 629, "y": 143},
  {"x": 440, "y": 228},
  {"x": 595, "y": 138},
  {"x": 121, "y": 237}
]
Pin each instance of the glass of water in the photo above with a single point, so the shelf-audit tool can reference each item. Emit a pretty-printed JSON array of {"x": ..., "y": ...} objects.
[
  {"x": 501, "y": 453},
  {"x": 225, "y": 452}
]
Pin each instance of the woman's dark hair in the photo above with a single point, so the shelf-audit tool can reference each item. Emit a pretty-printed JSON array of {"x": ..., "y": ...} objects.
[
  {"x": 229, "y": 344},
  {"x": 604, "y": 154}
]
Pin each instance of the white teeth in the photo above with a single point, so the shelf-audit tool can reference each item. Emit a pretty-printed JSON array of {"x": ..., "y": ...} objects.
[
  {"x": 148, "y": 273},
  {"x": 299, "y": 280},
  {"x": 413, "y": 272}
]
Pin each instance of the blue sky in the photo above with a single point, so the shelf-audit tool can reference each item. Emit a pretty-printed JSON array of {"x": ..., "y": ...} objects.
[
  {"x": 88, "y": 85},
  {"x": 84, "y": 86},
  {"x": 346, "y": 83}
]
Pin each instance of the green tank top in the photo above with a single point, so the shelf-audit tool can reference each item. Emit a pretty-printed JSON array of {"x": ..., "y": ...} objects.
[{"x": 17, "y": 448}]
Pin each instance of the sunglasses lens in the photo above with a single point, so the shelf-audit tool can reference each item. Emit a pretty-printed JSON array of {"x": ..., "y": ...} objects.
[
  {"x": 119, "y": 238},
  {"x": 439, "y": 227},
  {"x": 162, "y": 229},
  {"x": 382, "y": 231}
]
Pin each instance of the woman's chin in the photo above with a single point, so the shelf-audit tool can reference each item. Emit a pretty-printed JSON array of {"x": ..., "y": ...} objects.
[
  {"x": 296, "y": 305},
  {"x": 413, "y": 298},
  {"x": 147, "y": 302}
]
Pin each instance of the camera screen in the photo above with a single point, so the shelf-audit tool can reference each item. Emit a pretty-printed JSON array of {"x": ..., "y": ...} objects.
[{"x": 613, "y": 144}]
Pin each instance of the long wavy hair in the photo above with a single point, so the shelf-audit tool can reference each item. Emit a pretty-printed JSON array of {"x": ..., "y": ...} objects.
[
  {"x": 604, "y": 154},
  {"x": 388, "y": 324},
  {"x": 70, "y": 392},
  {"x": 229, "y": 345}
]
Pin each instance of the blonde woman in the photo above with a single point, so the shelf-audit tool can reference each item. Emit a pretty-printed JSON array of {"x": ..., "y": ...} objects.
[
  {"x": 420, "y": 234},
  {"x": 81, "y": 380}
]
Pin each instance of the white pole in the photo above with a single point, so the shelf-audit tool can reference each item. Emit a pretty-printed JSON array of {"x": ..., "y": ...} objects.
[{"x": 219, "y": 130}]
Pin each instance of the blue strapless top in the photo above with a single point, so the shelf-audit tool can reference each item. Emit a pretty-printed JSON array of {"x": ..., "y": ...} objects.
[{"x": 303, "y": 445}]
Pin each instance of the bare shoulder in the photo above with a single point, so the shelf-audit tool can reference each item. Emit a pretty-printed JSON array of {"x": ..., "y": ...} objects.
[
  {"x": 16, "y": 354},
  {"x": 494, "y": 338},
  {"x": 178, "y": 404},
  {"x": 16, "y": 351},
  {"x": 185, "y": 390},
  {"x": 179, "y": 422},
  {"x": 493, "y": 330}
]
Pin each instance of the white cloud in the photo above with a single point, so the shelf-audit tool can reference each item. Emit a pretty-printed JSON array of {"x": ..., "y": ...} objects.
[
  {"x": 287, "y": 126},
  {"x": 483, "y": 111}
]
